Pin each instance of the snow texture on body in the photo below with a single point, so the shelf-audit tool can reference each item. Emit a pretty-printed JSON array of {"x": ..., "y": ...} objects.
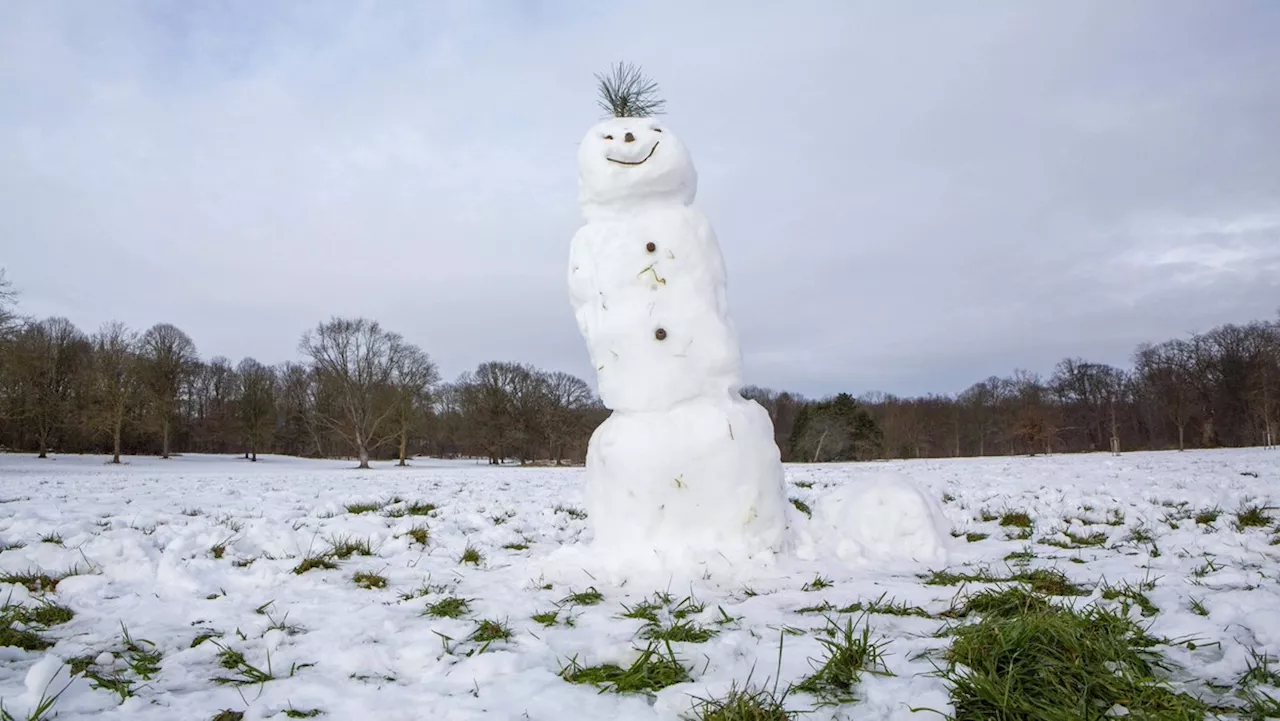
[
  {"x": 685, "y": 466},
  {"x": 141, "y": 540}
]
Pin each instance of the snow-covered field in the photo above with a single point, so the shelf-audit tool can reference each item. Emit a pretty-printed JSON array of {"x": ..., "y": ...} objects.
[{"x": 196, "y": 559}]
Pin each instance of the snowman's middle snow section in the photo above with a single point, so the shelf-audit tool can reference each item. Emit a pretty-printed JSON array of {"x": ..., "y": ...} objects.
[{"x": 684, "y": 465}]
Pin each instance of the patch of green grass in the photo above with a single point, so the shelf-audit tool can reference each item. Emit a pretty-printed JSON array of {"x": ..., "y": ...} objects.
[
  {"x": 1140, "y": 534},
  {"x": 546, "y": 618},
  {"x": 141, "y": 656},
  {"x": 35, "y": 581},
  {"x": 344, "y": 547},
  {"x": 1043, "y": 580},
  {"x": 948, "y": 498},
  {"x": 973, "y": 537},
  {"x": 1097, "y": 538},
  {"x": 227, "y": 714},
  {"x": 370, "y": 581},
  {"x": 1074, "y": 540},
  {"x": 817, "y": 584},
  {"x": 25, "y": 640},
  {"x": 1017, "y": 519},
  {"x": 206, "y": 636},
  {"x": 311, "y": 562},
  {"x": 824, "y": 607},
  {"x": 114, "y": 682},
  {"x": 1252, "y": 516},
  {"x": 1035, "y": 660},
  {"x": 490, "y": 631},
  {"x": 245, "y": 673},
  {"x": 1021, "y": 534},
  {"x": 589, "y": 597},
  {"x": 1026, "y": 554},
  {"x": 802, "y": 507},
  {"x": 52, "y": 538},
  {"x": 14, "y": 546},
  {"x": 747, "y": 703},
  {"x": 652, "y": 671},
  {"x": 887, "y": 608},
  {"x": 516, "y": 546},
  {"x": 1198, "y": 607},
  {"x": 471, "y": 555},
  {"x": 218, "y": 550},
  {"x": 1005, "y": 602},
  {"x": 1262, "y": 670},
  {"x": 1115, "y": 517},
  {"x": 1050, "y": 582},
  {"x": 647, "y": 610},
  {"x": 1128, "y": 594},
  {"x": 848, "y": 653},
  {"x": 571, "y": 512},
  {"x": 362, "y": 507},
  {"x": 292, "y": 712},
  {"x": 419, "y": 508},
  {"x": 426, "y": 588},
  {"x": 1207, "y": 516},
  {"x": 450, "y": 607},
  {"x": 679, "y": 632},
  {"x": 986, "y": 515},
  {"x": 46, "y": 614},
  {"x": 420, "y": 534}
]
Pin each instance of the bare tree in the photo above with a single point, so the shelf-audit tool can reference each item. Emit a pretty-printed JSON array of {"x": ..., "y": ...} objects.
[
  {"x": 8, "y": 299},
  {"x": 356, "y": 362},
  {"x": 113, "y": 381},
  {"x": 50, "y": 357},
  {"x": 256, "y": 409},
  {"x": 411, "y": 382},
  {"x": 564, "y": 416},
  {"x": 168, "y": 360}
]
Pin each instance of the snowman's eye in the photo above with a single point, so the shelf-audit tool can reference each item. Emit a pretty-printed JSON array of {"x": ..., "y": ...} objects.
[{"x": 608, "y": 137}]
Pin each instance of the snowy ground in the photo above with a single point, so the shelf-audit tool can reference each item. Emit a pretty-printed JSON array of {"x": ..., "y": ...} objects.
[{"x": 197, "y": 556}]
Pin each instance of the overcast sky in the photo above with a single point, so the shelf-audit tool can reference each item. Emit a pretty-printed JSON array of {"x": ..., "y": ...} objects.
[{"x": 910, "y": 196}]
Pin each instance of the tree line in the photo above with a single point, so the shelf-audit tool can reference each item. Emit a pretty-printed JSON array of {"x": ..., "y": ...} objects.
[{"x": 364, "y": 392}]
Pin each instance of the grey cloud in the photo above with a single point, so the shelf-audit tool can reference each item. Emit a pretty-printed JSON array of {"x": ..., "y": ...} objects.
[{"x": 910, "y": 196}]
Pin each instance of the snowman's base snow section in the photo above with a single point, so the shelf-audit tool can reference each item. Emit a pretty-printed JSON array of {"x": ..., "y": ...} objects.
[
  {"x": 701, "y": 485},
  {"x": 701, "y": 479}
]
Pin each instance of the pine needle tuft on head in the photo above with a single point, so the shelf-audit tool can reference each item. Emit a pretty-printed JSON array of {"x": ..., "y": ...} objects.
[{"x": 626, "y": 93}]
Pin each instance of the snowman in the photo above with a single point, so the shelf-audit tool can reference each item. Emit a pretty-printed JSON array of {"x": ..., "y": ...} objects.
[{"x": 685, "y": 467}]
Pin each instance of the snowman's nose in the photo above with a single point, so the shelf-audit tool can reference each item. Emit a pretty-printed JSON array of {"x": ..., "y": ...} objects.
[{"x": 629, "y": 138}]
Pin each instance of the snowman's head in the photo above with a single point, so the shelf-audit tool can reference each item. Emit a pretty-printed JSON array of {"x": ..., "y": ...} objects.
[{"x": 633, "y": 160}]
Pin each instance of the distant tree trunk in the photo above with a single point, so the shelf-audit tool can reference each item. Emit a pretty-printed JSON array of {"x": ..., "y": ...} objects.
[
  {"x": 363, "y": 450},
  {"x": 115, "y": 439},
  {"x": 818, "y": 450},
  {"x": 164, "y": 447},
  {"x": 1182, "y": 428},
  {"x": 404, "y": 445}
]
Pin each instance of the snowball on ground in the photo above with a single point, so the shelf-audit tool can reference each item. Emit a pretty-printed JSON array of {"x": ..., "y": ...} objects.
[{"x": 881, "y": 518}]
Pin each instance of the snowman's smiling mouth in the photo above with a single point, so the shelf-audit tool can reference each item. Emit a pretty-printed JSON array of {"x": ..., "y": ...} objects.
[{"x": 634, "y": 162}]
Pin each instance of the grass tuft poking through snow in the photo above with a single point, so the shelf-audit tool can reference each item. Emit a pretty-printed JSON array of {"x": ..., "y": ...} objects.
[
  {"x": 311, "y": 562},
  {"x": 1027, "y": 656},
  {"x": 849, "y": 653},
  {"x": 747, "y": 703},
  {"x": 655, "y": 669},
  {"x": 451, "y": 607},
  {"x": 368, "y": 580}
]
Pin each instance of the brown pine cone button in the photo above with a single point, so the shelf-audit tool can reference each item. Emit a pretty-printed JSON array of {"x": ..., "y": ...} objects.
[
  {"x": 650, "y": 246},
  {"x": 660, "y": 334}
]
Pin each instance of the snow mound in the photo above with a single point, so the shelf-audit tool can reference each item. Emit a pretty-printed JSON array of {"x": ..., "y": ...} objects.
[{"x": 880, "y": 519}]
